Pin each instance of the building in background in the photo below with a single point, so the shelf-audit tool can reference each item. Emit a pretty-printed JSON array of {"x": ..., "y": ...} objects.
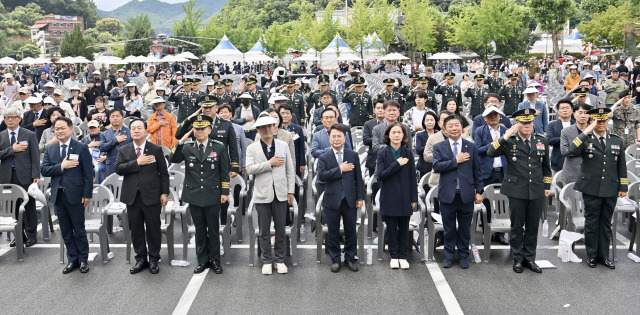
[{"x": 52, "y": 29}]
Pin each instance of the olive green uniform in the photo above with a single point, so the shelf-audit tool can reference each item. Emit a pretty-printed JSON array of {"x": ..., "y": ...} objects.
[
  {"x": 296, "y": 101},
  {"x": 449, "y": 92},
  {"x": 494, "y": 83},
  {"x": 260, "y": 100},
  {"x": 477, "y": 99},
  {"x": 314, "y": 100},
  {"x": 222, "y": 131},
  {"x": 187, "y": 104},
  {"x": 361, "y": 108},
  {"x": 392, "y": 96},
  {"x": 512, "y": 96}
]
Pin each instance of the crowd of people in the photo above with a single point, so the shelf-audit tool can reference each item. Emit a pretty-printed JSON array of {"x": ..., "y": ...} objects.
[{"x": 466, "y": 131}]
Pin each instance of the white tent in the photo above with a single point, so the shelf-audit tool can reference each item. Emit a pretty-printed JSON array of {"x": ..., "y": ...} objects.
[
  {"x": 225, "y": 52},
  {"x": 444, "y": 56},
  {"x": 545, "y": 45},
  {"x": 8, "y": 61},
  {"x": 188, "y": 55},
  {"x": 373, "y": 47},
  {"x": 394, "y": 56},
  {"x": 258, "y": 58},
  {"x": 334, "y": 49}
]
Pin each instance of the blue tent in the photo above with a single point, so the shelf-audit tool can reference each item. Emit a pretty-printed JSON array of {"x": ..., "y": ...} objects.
[
  {"x": 337, "y": 42},
  {"x": 225, "y": 52},
  {"x": 575, "y": 35},
  {"x": 257, "y": 47}
]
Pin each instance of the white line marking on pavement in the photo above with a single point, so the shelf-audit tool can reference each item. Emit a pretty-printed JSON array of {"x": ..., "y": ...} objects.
[
  {"x": 444, "y": 290},
  {"x": 190, "y": 293},
  {"x": 39, "y": 228}
]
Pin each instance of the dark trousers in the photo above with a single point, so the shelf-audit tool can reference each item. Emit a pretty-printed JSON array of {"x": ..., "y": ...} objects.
[
  {"x": 207, "y": 223},
  {"x": 525, "y": 218},
  {"x": 332, "y": 218},
  {"x": 71, "y": 220},
  {"x": 494, "y": 178},
  {"x": 30, "y": 222},
  {"x": 141, "y": 216},
  {"x": 598, "y": 212},
  {"x": 397, "y": 236},
  {"x": 266, "y": 211},
  {"x": 463, "y": 214}
]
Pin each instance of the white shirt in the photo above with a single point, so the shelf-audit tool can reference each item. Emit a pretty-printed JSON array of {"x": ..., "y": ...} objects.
[
  {"x": 566, "y": 124},
  {"x": 497, "y": 161},
  {"x": 247, "y": 111},
  {"x": 417, "y": 116},
  {"x": 459, "y": 146},
  {"x": 68, "y": 143}
]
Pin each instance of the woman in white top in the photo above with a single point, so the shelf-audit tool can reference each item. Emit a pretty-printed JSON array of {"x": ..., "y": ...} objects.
[{"x": 133, "y": 102}]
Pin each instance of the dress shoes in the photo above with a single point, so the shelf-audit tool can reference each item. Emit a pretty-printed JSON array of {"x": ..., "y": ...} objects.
[
  {"x": 608, "y": 263},
  {"x": 439, "y": 242},
  {"x": 464, "y": 263},
  {"x": 31, "y": 242},
  {"x": 84, "y": 267},
  {"x": 154, "y": 268},
  {"x": 13, "y": 243},
  {"x": 139, "y": 266},
  {"x": 517, "y": 266},
  {"x": 532, "y": 266},
  {"x": 351, "y": 265},
  {"x": 70, "y": 267},
  {"x": 591, "y": 262},
  {"x": 201, "y": 268},
  {"x": 447, "y": 263},
  {"x": 501, "y": 239},
  {"x": 216, "y": 267},
  {"x": 335, "y": 267}
]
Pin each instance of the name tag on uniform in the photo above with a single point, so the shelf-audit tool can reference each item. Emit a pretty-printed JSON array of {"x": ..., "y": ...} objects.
[
  {"x": 626, "y": 131},
  {"x": 540, "y": 146}
]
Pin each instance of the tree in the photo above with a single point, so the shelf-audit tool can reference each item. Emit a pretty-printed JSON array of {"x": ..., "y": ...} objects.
[
  {"x": 109, "y": 25},
  {"x": 551, "y": 16},
  {"x": 419, "y": 28},
  {"x": 383, "y": 23},
  {"x": 463, "y": 31},
  {"x": 28, "y": 14},
  {"x": 74, "y": 44},
  {"x": 598, "y": 6},
  {"x": 29, "y": 50},
  {"x": 138, "y": 26},
  {"x": 276, "y": 40},
  {"x": 191, "y": 23},
  {"x": 608, "y": 25}
]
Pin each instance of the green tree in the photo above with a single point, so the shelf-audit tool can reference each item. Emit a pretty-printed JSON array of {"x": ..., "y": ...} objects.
[
  {"x": 276, "y": 40},
  {"x": 383, "y": 23},
  {"x": 138, "y": 26},
  {"x": 74, "y": 44},
  {"x": 318, "y": 33},
  {"x": 551, "y": 16},
  {"x": 109, "y": 25},
  {"x": 364, "y": 17},
  {"x": 29, "y": 50},
  {"x": 191, "y": 23},
  {"x": 463, "y": 32},
  {"x": 608, "y": 25},
  {"x": 598, "y": 6},
  {"x": 27, "y": 15},
  {"x": 419, "y": 28}
]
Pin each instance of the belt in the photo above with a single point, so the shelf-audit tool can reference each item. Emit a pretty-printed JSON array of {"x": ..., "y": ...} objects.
[
  {"x": 458, "y": 191},
  {"x": 62, "y": 189},
  {"x": 497, "y": 169}
]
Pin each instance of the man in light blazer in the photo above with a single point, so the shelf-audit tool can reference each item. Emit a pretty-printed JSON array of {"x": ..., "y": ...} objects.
[
  {"x": 456, "y": 160},
  {"x": 340, "y": 169},
  {"x": 20, "y": 159},
  {"x": 145, "y": 190},
  {"x": 69, "y": 164},
  {"x": 270, "y": 161}
]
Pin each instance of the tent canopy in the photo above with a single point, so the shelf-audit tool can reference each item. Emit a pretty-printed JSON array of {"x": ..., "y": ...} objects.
[
  {"x": 258, "y": 48},
  {"x": 575, "y": 35},
  {"x": 225, "y": 52}
]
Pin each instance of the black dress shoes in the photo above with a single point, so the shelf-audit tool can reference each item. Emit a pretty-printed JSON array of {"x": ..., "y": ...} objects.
[
  {"x": 517, "y": 266},
  {"x": 70, "y": 267},
  {"x": 215, "y": 266},
  {"x": 501, "y": 239},
  {"x": 608, "y": 263},
  {"x": 31, "y": 242},
  {"x": 154, "y": 268},
  {"x": 532, "y": 266},
  {"x": 202, "y": 268},
  {"x": 335, "y": 267},
  {"x": 84, "y": 267},
  {"x": 139, "y": 266},
  {"x": 591, "y": 262},
  {"x": 13, "y": 243},
  {"x": 351, "y": 265}
]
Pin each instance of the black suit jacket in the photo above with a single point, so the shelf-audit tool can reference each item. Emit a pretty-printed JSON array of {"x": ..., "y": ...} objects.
[
  {"x": 27, "y": 161},
  {"x": 28, "y": 119},
  {"x": 336, "y": 182},
  {"x": 152, "y": 179}
]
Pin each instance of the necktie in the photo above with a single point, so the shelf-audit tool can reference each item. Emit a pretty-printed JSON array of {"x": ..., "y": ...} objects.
[
  {"x": 64, "y": 151},
  {"x": 36, "y": 115},
  {"x": 602, "y": 143},
  {"x": 339, "y": 157},
  {"x": 455, "y": 152},
  {"x": 13, "y": 140},
  {"x": 201, "y": 151},
  {"x": 527, "y": 145},
  {"x": 138, "y": 152}
]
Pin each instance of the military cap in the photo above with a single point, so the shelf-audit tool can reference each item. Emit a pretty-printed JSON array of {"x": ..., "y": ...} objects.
[
  {"x": 208, "y": 101},
  {"x": 623, "y": 94},
  {"x": 423, "y": 80},
  {"x": 449, "y": 75},
  {"x": 599, "y": 113},
  {"x": 359, "y": 81},
  {"x": 479, "y": 77},
  {"x": 512, "y": 76},
  {"x": 495, "y": 69},
  {"x": 581, "y": 91},
  {"x": 187, "y": 81},
  {"x": 414, "y": 76},
  {"x": 524, "y": 115},
  {"x": 227, "y": 82},
  {"x": 289, "y": 81},
  {"x": 389, "y": 81},
  {"x": 220, "y": 84},
  {"x": 201, "y": 121},
  {"x": 195, "y": 81},
  {"x": 323, "y": 80},
  {"x": 429, "y": 69}
]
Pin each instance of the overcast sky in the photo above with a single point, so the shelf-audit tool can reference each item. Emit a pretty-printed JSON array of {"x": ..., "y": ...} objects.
[{"x": 108, "y": 5}]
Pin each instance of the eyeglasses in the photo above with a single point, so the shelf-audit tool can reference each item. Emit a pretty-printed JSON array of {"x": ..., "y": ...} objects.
[{"x": 10, "y": 117}]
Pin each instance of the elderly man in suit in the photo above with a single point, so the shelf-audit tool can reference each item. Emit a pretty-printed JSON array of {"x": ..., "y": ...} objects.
[
  {"x": 68, "y": 163},
  {"x": 113, "y": 139},
  {"x": 36, "y": 118},
  {"x": 270, "y": 161},
  {"x": 460, "y": 186},
  {"x": 145, "y": 190},
  {"x": 20, "y": 159},
  {"x": 573, "y": 163},
  {"x": 339, "y": 168}
]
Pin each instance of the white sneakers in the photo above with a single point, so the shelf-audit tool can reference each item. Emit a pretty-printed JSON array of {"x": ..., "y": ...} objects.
[
  {"x": 404, "y": 264},
  {"x": 394, "y": 264},
  {"x": 267, "y": 269},
  {"x": 399, "y": 263}
]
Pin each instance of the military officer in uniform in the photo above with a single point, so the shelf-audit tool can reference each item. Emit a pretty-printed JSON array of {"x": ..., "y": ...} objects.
[
  {"x": 389, "y": 94},
  {"x": 423, "y": 85},
  {"x": 432, "y": 83},
  {"x": 602, "y": 179},
  {"x": 526, "y": 183},
  {"x": 361, "y": 104},
  {"x": 195, "y": 87},
  {"x": 477, "y": 94},
  {"x": 229, "y": 95},
  {"x": 260, "y": 98},
  {"x": 313, "y": 99},
  {"x": 295, "y": 99},
  {"x": 494, "y": 82},
  {"x": 205, "y": 188},
  {"x": 185, "y": 99},
  {"x": 511, "y": 94},
  {"x": 449, "y": 91},
  {"x": 408, "y": 88}
]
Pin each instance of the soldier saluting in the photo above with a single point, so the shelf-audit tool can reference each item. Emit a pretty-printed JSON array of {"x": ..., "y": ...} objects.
[
  {"x": 511, "y": 94},
  {"x": 477, "y": 94},
  {"x": 602, "y": 179},
  {"x": 361, "y": 103},
  {"x": 389, "y": 94},
  {"x": 526, "y": 183},
  {"x": 295, "y": 99},
  {"x": 449, "y": 91},
  {"x": 185, "y": 99},
  {"x": 494, "y": 82}
]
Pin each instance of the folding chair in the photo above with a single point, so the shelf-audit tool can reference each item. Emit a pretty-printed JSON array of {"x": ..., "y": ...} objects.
[
  {"x": 323, "y": 233},
  {"x": 290, "y": 232},
  {"x": 8, "y": 208},
  {"x": 500, "y": 216}
]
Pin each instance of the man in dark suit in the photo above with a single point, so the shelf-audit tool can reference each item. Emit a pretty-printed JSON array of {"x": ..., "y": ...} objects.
[
  {"x": 36, "y": 118},
  {"x": 460, "y": 178},
  {"x": 554, "y": 130},
  {"x": 298, "y": 138},
  {"x": 493, "y": 168},
  {"x": 479, "y": 121},
  {"x": 145, "y": 190},
  {"x": 113, "y": 139},
  {"x": 68, "y": 163},
  {"x": 339, "y": 168},
  {"x": 367, "y": 134},
  {"x": 20, "y": 159}
]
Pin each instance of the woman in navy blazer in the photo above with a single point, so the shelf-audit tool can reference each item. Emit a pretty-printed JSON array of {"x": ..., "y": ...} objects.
[
  {"x": 429, "y": 127},
  {"x": 396, "y": 174}
]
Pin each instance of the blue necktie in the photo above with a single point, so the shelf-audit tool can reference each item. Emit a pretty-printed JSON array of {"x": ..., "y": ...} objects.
[
  {"x": 13, "y": 140},
  {"x": 35, "y": 129},
  {"x": 64, "y": 151},
  {"x": 339, "y": 163},
  {"x": 455, "y": 152}
]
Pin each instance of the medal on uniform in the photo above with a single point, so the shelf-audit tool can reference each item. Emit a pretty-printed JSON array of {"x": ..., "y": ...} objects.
[
  {"x": 212, "y": 166},
  {"x": 190, "y": 164},
  {"x": 615, "y": 158},
  {"x": 591, "y": 156},
  {"x": 514, "y": 158}
]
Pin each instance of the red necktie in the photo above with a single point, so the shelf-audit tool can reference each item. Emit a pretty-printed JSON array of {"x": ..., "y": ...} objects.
[{"x": 138, "y": 152}]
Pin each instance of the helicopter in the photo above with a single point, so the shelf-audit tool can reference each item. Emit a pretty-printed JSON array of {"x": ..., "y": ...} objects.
[{"x": 161, "y": 45}]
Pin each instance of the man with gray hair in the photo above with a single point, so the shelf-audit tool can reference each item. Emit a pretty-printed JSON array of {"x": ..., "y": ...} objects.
[{"x": 10, "y": 87}]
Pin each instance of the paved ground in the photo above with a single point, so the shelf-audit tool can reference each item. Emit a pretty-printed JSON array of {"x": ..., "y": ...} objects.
[{"x": 37, "y": 285}]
